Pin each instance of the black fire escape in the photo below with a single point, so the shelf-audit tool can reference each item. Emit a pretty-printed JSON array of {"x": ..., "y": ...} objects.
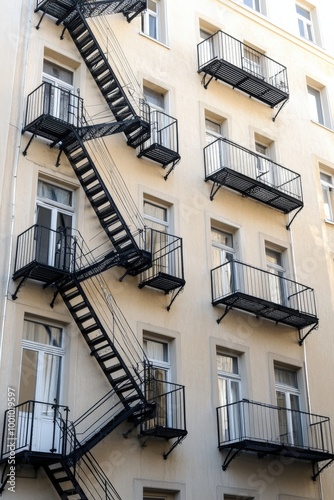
[{"x": 135, "y": 396}]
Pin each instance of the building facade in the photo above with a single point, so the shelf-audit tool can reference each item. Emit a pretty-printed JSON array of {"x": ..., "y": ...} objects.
[{"x": 167, "y": 250}]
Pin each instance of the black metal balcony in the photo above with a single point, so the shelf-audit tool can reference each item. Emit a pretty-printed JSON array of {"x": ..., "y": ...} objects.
[
  {"x": 166, "y": 272},
  {"x": 52, "y": 112},
  {"x": 168, "y": 420},
  {"x": 35, "y": 432},
  {"x": 272, "y": 430},
  {"x": 267, "y": 295},
  {"x": 228, "y": 164},
  {"x": 45, "y": 255},
  {"x": 225, "y": 58},
  {"x": 163, "y": 144}
]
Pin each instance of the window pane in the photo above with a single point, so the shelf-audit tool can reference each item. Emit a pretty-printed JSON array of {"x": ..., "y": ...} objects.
[
  {"x": 157, "y": 351},
  {"x": 273, "y": 257},
  {"x": 222, "y": 238},
  {"x": 212, "y": 127},
  {"x": 228, "y": 364},
  {"x": 43, "y": 334},
  {"x": 54, "y": 193},
  {"x": 154, "y": 98},
  {"x": 286, "y": 377},
  {"x": 154, "y": 211},
  {"x": 58, "y": 72},
  {"x": 303, "y": 12},
  {"x": 315, "y": 105},
  {"x": 28, "y": 375},
  {"x": 260, "y": 148}
]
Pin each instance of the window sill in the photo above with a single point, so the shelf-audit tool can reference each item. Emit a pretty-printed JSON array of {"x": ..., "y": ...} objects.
[
  {"x": 322, "y": 126},
  {"x": 329, "y": 221},
  {"x": 154, "y": 40}
]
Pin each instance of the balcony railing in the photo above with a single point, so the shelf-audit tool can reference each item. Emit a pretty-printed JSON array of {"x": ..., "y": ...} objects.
[
  {"x": 169, "y": 417},
  {"x": 273, "y": 430},
  {"x": 52, "y": 111},
  {"x": 34, "y": 426},
  {"x": 228, "y": 164},
  {"x": 225, "y": 58},
  {"x": 166, "y": 272},
  {"x": 163, "y": 144},
  {"x": 241, "y": 286},
  {"x": 45, "y": 255}
]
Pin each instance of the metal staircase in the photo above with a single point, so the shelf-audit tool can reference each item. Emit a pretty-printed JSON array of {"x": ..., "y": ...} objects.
[
  {"x": 111, "y": 220},
  {"x": 123, "y": 363},
  {"x": 97, "y": 63}
]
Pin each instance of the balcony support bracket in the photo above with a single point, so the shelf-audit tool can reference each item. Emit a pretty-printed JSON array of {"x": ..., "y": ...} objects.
[
  {"x": 175, "y": 162},
  {"x": 14, "y": 295},
  {"x": 215, "y": 188},
  {"x": 174, "y": 295},
  {"x": 174, "y": 445},
  {"x": 227, "y": 309},
  {"x": 301, "y": 339},
  {"x": 25, "y": 151},
  {"x": 206, "y": 84},
  {"x": 293, "y": 218},
  {"x": 52, "y": 303},
  {"x": 320, "y": 469},
  {"x": 230, "y": 456},
  {"x": 279, "y": 109}
]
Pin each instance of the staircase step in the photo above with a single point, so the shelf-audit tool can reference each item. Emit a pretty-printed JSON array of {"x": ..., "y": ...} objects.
[
  {"x": 106, "y": 357},
  {"x": 124, "y": 388},
  {"x": 79, "y": 307},
  {"x": 95, "y": 190},
  {"x": 120, "y": 380},
  {"x": 83, "y": 169},
  {"x": 90, "y": 329},
  {"x": 96, "y": 340},
  {"x": 113, "y": 368},
  {"x": 84, "y": 317}
]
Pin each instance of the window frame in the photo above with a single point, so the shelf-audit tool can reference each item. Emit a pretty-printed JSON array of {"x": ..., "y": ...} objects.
[
  {"x": 160, "y": 22},
  {"x": 289, "y": 391},
  {"x": 327, "y": 188},
  {"x": 305, "y": 25},
  {"x": 316, "y": 104}
]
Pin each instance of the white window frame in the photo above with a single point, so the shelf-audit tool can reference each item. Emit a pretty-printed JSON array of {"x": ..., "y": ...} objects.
[
  {"x": 315, "y": 98},
  {"x": 57, "y": 96},
  {"x": 305, "y": 23},
  {"x": 159, "y": 17},
  {"x": 233, "y": 413},
  {"x": 327, "y": 187},
  {"x": 154, "y": 221},
  {"x": 253, "y": 4},
  {"x": 55, "y": 208},
  {"x": 277, "y": 286},
  {"x": 254, "y": 62},
  {"x": 289, "y": 392}
]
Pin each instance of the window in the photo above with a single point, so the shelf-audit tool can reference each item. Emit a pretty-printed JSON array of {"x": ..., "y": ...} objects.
[
  {"x": 315, "y": 103},
  {"x": 277, "y": 291},
  {"x": 158, "y": 352},
  {"x": 305, "y": 24},
  {"x": 161, "y": 133},
  {"x": 54, "y": 217},
  {"x": 253, "y": 62},
  {"x": 216, "y": 155},
  {"x": 264, "y": 165},
  {"x": 253, "y": 4},
  {"x": 59, "y": 96},
  {"x": 223, "y": 253},
  {"x": 229, "y": 392},
  {"x": 153, "y": 21},
  {"x": 327, "y": 186},
  {"x": 156, "y": 215},
  {"x": 288, "y": 399},
  {"x": 40, "y": 378}
]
